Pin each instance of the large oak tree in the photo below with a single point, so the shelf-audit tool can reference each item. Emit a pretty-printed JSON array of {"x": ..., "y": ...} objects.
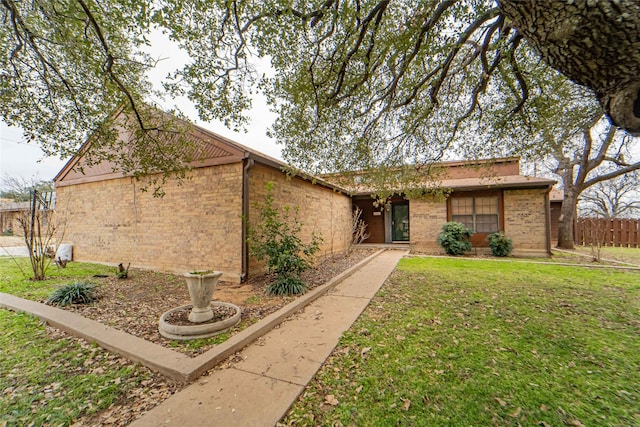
[{"x": 356, "y": 83}]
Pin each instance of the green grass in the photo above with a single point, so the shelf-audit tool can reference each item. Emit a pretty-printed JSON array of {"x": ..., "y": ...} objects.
[
  {"x": 471, "y": 343},
  {"x": 47, "y": 381},
  {"x": 15, "y": 277},
  {"x": 629, "y": 255}
]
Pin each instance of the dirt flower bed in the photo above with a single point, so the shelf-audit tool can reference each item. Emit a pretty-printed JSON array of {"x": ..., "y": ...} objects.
[{"x": 135, "y": 304}]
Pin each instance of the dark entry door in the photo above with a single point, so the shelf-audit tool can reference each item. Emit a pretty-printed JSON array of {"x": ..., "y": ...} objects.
[{"x": 400, "y": 222}]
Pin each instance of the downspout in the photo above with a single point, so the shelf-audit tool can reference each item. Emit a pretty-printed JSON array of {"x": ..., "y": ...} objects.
[
  {"x": 547, "y": 211},
  {"x": 248, "y": 164}
]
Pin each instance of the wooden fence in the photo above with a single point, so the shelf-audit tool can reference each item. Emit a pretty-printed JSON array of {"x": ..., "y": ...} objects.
[{"x": 609, "y": 232}]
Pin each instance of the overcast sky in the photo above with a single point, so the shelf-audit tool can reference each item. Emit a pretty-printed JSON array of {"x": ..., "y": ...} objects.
[{"x": 21, "y": 160}]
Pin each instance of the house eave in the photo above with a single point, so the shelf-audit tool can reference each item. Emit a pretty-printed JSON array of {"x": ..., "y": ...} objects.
[{"x": 538, "y": 183}]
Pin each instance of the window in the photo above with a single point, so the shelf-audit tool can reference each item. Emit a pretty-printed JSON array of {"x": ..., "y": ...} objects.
[{"x": 477, "y": 213}]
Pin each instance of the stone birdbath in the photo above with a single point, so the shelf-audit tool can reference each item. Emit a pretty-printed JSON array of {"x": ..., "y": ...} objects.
[{"x": 201, "y": 323}]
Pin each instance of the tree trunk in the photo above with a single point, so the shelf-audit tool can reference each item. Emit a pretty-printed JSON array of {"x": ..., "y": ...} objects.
[
  {"x": 594, "y": 43},
  {"x": 567, "y": 220}
]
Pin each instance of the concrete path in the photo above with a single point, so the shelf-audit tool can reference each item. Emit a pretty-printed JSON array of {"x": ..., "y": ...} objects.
[{"x": 271, "y": 373}]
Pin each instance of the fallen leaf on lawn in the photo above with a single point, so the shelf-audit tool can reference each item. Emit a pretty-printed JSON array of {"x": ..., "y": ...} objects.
[
  {"x": 576, "y": 423},
  {"x": 399, "y": 337},
  {"x": 407, "y": 404},
  {"x": 516, "y": 413},
  {"x": 330, "y": 399},
  {"x": 359, "y": 389},
  {"x": 501, "y": 402},
  {"x": 365, "y": 351},
  {"x": 544, "y": 408}
]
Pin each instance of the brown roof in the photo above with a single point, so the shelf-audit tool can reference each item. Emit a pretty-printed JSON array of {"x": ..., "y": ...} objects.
[
  {"x": 510, "y": 181},
  {"x": 484, "y": 183},
  {"x": 9, "y": 205},
  {"x": 213, "y": 149}
]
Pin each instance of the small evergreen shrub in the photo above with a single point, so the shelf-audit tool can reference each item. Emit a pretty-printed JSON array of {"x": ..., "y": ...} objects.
[
  {"x": 454, "y": 238},
  {"x": 75, "y": 293},
  {"x": 287, "y": 285},
  {"x": 500, "y": 244},
  {"x": 276, "y": 240}
]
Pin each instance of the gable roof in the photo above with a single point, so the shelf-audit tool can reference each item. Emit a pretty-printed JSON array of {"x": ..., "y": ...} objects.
[{"x": 213, "y": 149}]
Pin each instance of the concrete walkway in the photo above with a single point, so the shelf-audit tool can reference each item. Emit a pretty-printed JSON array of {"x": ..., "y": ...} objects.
[{"x": 271, "y": 373}]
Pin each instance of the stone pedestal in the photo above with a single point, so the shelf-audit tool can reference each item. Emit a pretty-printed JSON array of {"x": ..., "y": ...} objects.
[{"x": 201, "y": 286}]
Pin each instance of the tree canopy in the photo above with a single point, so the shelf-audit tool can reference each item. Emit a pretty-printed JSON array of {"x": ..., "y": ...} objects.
[{"x": 355, "y": 84}]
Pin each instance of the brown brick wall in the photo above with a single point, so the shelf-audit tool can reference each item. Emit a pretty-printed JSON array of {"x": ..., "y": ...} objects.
[
  {"x": 426, "y": 219},
  {"x": 484, "y": 169},
  {"x": 322, "y": 210},
  {"x": 196, "y": 225},
  {"x": 525, "y": 221}
]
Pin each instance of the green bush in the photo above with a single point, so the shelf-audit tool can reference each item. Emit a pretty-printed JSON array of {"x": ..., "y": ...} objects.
[
  {"x": 500, "y": 244},
  {"x": 275, "y": 239},
  {"x": 75, "y": 293},
  {"x": 454, "y": 238},
  {"x": 287, "y": 285}
]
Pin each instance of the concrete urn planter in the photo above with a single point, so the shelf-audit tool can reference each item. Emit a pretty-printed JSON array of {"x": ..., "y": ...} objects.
[
  {"x": 202, "y": 324},
  {"x": 201, "y": 285}
]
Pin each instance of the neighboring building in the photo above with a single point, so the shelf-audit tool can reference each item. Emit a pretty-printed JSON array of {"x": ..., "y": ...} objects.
[
  {"x": 487, "y": 196},
  {"x": 556, "y": 197},
  {"x": 10, "y": 212},
  {"x": 198, "y": 224}
]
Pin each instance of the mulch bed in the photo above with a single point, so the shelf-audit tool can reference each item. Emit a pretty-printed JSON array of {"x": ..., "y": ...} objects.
[{"x": 134, "y": 305}]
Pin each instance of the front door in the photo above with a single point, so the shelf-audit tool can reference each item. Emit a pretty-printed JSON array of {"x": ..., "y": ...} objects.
[{"x": 400, "y": 222}]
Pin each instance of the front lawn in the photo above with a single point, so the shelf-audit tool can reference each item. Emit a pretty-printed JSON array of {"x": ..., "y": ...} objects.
[
  {"x": 469, "y": 342},
  {"x": 15, "y": 274},
  {"x": 50, "y": 378},
  {"x": 626, "y": 255}
]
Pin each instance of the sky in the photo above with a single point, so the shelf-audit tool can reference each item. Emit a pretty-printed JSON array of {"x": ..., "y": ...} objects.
[{"x": 26, "y": 161}]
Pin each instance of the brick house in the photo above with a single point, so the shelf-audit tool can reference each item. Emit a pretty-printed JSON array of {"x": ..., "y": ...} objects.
[
  {"x": 199, "y": 224},
  {"x": 486, "y": 195}
]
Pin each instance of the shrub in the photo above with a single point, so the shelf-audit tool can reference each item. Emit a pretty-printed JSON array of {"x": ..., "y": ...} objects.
[
  {"x": 75, "y": 293},
  {"x": 276, "y": 240},
  {"x": 122, "y": 273},
  {"x": 287, "y": 285},
  {"x": 454, "y": 238},
  {"x": 500, "y": 244}
]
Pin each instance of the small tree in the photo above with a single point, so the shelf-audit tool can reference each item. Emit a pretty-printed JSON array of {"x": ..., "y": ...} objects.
[
  {"x": 358, "y": 229},
  {"x": 276, "y": 239},
  {"x": 39, "y": 229},
  {"x": 454, "y": 238},
  {"x": 616, "y": 198},
  {"x": 20, "y": 189},
  {"x": 595, "y": 237}
]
